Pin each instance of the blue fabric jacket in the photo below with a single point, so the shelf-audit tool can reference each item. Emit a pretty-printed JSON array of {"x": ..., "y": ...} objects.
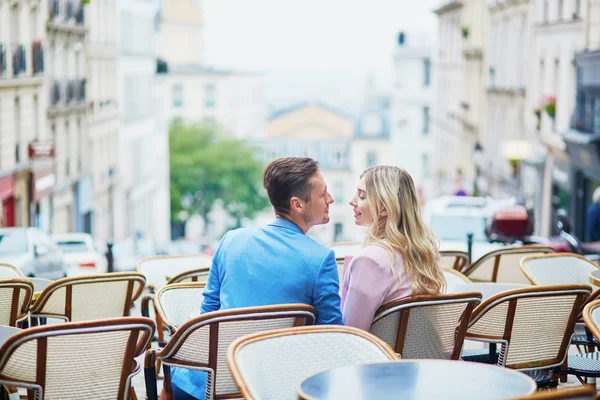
[{"x": 275, "y": 264}]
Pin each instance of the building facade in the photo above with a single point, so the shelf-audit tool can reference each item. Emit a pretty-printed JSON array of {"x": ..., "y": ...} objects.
[
  {"x": 450, "y": 154},
  {"x": 181, "y": 32},
  {"x": 141, "y": 194},
  {"x": 104, "y": 116},
  {"x": 410, "y": 119}
]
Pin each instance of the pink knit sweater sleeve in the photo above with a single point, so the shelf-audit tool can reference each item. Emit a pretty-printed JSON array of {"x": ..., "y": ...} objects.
[{"x": 365, "y": 287}]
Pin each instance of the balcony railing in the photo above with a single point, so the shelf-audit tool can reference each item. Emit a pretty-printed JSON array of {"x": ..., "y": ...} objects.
[
  {"x": 37, "y": 56},
  {"x": 55, "y": 93},
  {"x": 3, "y": 62},
  {"x": 81, "y": 91},
  {"x": 19, "y": 60}
]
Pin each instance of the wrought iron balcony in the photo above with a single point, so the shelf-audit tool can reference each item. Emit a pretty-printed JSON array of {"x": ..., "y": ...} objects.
[{"x": 37, "y": 53}]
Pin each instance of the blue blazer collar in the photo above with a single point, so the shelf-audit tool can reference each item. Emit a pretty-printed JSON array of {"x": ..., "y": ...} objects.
[{"x": 285, "y": 223}]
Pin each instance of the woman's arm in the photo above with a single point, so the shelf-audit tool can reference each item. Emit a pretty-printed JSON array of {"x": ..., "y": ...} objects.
[{"x": 367, "y": 286}]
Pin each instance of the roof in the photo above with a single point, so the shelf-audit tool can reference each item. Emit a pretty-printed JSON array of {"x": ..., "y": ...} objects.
[
  {"x": 305, "y": 104},
  {"x": 198, "y": 69}
]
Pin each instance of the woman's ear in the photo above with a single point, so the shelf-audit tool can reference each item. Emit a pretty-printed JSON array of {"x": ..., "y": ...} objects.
[{"x": 383, "y": 212}]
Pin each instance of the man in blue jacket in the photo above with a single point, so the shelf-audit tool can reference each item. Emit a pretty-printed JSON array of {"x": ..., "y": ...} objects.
[{"x": 275, "y": 264}]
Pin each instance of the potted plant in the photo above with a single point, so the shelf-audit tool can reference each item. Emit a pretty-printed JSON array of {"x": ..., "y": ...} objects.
[
  {"x": 550, "y": 106},
  {"x": 465, "y": 31}
]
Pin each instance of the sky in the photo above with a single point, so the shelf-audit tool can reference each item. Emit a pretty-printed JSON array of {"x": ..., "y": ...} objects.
[{"x": 313, "y": 50}]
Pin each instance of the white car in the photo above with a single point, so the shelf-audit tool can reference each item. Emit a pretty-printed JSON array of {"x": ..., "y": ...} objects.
[
  {"x": 453, "y": 218},
  {"x": 80, "y": 253}
]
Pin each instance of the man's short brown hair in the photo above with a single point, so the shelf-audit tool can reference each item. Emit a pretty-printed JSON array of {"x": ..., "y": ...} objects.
[{"x": 288, "y": 177}]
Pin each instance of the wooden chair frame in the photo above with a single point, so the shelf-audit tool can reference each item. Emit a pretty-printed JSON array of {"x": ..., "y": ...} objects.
[
  {"x": 192, "y": 274},
  {"x": 36, "y": 309},
  {"x": 461, "y": 258},
  {"x": 303, "y": 314},
  {"x": 159, "y": 306},
  {"x": 18, "y": 311},
  {"x": 577, "y": 393},
  {"x": 497, "y": 255},
  {"x": 17, "y": 271},
  {"x": 142, "y": 331},
  {"x": 243, "y": 341},
  {"x": 404, "y": 307},
  {"x": 511, "y": 297}
]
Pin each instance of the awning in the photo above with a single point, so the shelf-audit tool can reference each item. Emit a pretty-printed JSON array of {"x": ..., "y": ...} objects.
[{"x": 584, "y": 152}]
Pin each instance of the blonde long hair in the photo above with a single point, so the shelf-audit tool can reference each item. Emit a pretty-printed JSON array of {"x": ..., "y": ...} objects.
[{"x": 402, "y": 229}]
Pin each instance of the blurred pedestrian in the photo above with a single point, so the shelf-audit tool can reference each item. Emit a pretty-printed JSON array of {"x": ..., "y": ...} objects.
[{"x": 592, "y": 221}]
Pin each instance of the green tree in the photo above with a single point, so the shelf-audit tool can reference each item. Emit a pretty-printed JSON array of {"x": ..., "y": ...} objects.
[{"x": 205, "y": 167}]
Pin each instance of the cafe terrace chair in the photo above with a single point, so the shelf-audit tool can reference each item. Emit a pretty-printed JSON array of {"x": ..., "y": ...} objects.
[
  {"x": 194, "y": 275},
  {"x": 270, "y": 365},
  {"x": 533, "y": 326},
  {"x": 175, "y": 303},
  {"x": 15, "y": 299},
  {"x": 422, "y": 327},
  {"x": 453, "y": 277},
  {"x": 72, "y": 361},
  {"x": 8, "y": 271},
  {"x": 586, "y": 392},
  {"x": 201, "y": 344},
  {"x": 587, "y": 365},
  {"x": 563, "y": 269},
  {"x": 161, "y": 270},
  {"x": 454, "y": 259},
  {"x": 503, "y": 265},
  {"x": 90, "y": 297}
]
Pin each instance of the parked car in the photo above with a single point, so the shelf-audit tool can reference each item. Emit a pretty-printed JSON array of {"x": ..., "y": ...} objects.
[
  {"x": 33, "y": 252},
  {"x": 128, "y": 252},
  {"x": 81, "y": 254}
]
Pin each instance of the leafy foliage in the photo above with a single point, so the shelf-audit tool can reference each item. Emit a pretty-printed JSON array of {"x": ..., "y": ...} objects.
[{"x": 206, "y": 168}]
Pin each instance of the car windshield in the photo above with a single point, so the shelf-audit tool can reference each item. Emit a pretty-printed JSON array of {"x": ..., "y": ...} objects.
[
  {"x": 456, "y": 227},
  {"x": 13, "y": 242},
  {"x": 73, "y": 246}
]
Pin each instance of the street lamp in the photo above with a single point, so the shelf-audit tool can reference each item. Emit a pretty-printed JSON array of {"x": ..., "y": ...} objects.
[{"x": 477, "y": 160}]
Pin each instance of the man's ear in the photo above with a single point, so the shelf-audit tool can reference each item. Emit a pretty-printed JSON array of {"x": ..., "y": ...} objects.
[{"x": 296, "y": 205}]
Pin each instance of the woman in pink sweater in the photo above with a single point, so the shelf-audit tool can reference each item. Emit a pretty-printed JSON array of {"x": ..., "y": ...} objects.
[{"x": 400, "y": 257}]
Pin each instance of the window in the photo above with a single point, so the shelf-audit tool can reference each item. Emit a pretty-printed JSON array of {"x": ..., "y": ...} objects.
[
  {"x": 577, "y": 6},
  {"x": 17, "y": 130},
  {"x": 425, "y": 120},
  {"x": 371, "y": 158},
  {"x": 427, "y": 72},
  {"x": 338, "y": 231},
  {"x": 425, "y": 165},
  {"x": 545, "y": 10},
  {"x": 209, "y": 95},
  {"x": 177, "y": 95},
  {"x": 561, "y": 4},
  {"x": 338, "y": 191}
]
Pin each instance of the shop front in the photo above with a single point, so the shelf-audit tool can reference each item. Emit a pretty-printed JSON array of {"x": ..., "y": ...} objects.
[{"x": 583, "y": 142}]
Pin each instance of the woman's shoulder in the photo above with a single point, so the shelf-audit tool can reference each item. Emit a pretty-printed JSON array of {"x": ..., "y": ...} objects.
[{"x": 376, "y": 253}]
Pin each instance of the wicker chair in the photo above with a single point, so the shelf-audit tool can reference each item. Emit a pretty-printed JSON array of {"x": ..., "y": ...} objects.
[
  {"x": 161, "y": 270},
  {"x": 193, "y": 275},
  {"x": 578, "y": 393},
  {"x": 8, "y": 271},
  {"x": 72, "y": 361},
  {"x": 426, "y": 326},
  {"x": 175, "y": 302},
  {"x": 563, "y": 269},
  {"x": 269, "y": 365},
  {"x": 503, "y": 265},
  {"x": 201, "y": 343},
  {"x": 89, "y": 298},
  {"x": 456, "y": 260},
  {"x": 453, "y": 277},
  {"x": 532, "y": 325},
  {"x": 15, "y": 298}
]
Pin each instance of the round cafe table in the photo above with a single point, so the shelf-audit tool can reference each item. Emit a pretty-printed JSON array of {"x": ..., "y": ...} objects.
[
  {"x": 415, "y": 380},
  {"x": 595, "y": 277}
]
